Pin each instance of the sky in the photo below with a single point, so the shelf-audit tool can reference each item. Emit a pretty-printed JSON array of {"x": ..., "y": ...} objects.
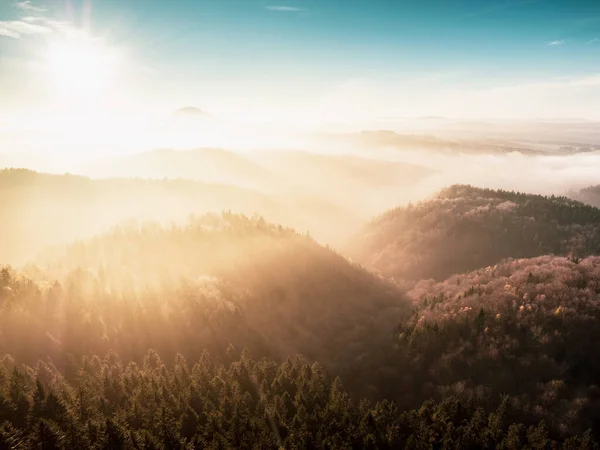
[{"x": 298, "y": 60}]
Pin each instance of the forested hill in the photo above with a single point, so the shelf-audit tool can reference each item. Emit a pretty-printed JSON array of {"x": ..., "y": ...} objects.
[
  {"x": 220, "y": 279},
  {"x": 589, "y": 195},
  {"x": 527, "y": 328},
  {"x": 464, "y": 228},
  {"x": 179, "y": 337},
  {"x": 81, "y": 207},
  {"x": 506, "y": 353}
]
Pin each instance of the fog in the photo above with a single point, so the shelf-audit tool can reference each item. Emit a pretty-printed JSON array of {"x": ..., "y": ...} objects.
[
  {"x": 326, "y": 180},
  {"x": 546, "y": 174}
]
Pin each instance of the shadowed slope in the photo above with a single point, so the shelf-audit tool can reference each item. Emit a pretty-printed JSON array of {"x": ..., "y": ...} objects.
[{"x": 527, "y": 328}]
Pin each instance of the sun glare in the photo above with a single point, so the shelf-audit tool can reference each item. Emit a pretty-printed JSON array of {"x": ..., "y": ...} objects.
[{"x": 80, "y": 67}]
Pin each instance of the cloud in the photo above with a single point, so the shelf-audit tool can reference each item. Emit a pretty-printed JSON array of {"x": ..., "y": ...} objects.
[
  {"x": 16, "y": 28},
  {"x": 573, "y": 96},
  {"x": 544, "y": 86},
  {"x": 284, "y": 8},
  {"x": 557, "y": 43},
  {"x": 61, "y": 26},
  {"x": 27, "y": 6},
  {"x": 592, "y": 41},
  {"x": 35, "y": 25},
  {"x": 8, "y": 33}
]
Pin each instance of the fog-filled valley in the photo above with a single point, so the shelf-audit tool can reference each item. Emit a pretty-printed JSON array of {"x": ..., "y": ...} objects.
[
  {"x": 303, "y": 224},
  {"x": 328, "y": 184},
  {"x": 396, "y": 290}
]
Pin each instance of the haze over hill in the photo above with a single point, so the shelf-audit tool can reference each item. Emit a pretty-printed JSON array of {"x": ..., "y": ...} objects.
[
  {"x": 301, "y": 225},
  {"x": 463, "y": 228},
  {"x": 283, "y": 292},
  {"x": 589, "y": 195},
  {"x": 360, "y": 185},
  {"x": 73, "y": 207}
]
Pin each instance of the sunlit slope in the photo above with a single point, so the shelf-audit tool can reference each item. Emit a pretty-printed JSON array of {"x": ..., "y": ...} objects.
[
  {"x": 41, "y": 209},
  {"x": 464, "y": 228},
  {"x": 220, "y": 279},
  {"x": 527, "y": 328}
]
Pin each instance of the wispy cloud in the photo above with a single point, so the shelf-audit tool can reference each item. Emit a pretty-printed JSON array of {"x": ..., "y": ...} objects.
[
  {"x": 8, "y": 33},
  {"x": 589, "y": 81},
  {"x": 35, "y": 24},
  {"x": 16, "y": 28},
  {"x": 32, "y": 23},
  {"x": 28, "y": 6},
  {"x": 557, "y": 43},
  {"x": 592, "y": 41},
  {"x": 284, "y": 8}
]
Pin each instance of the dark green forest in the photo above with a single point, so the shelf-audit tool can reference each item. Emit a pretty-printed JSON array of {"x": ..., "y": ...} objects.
[
  {"x": 242, "y": 403},
  {"x": 233, "y": 332}
]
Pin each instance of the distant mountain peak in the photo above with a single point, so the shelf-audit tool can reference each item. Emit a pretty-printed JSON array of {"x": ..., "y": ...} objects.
[{"x": 190, "y": 111}]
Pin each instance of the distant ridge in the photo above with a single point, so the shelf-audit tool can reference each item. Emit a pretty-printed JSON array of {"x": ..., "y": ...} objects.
[
  {"x": 464, "y": 228},
  {"x": 190, "y": 112}
]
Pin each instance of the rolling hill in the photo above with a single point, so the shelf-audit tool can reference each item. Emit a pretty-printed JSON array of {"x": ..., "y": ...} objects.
[
  {"x": 348, "y": 187},
  {"x": 589, "y": 195},
  {"x": 359, "y": 184},
  {"x": 505, "y": 353},
  {"x": 271, "y": 171},
  {"x": 464, "y": 228},
  {"x": 524, "y": 328},
  {"x": 190, "y": 112},
  {"x": 374, "y": 173},
  {"x": 40, "y": 210},
  {"x": 211, "y": 165},
  {"x": 220, "y": 279}
]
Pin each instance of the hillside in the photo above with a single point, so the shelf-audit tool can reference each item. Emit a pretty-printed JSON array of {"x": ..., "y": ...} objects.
[
  {"x": 362, "y": 185},
  {"x": 355, "y": 183},
  {"x": 589, "y": 195},
  {"x": 526, "y": 328},
  {"x": 347, "y": 169},
  {"x": 211, "y": 165},
  {"x": 227, "y": 302},
  {"x": 218, "y": 280},
  {"x": 464, "y": 228},
  {"x": 40, "y": 210},
  {"x": 506, "y": 353},
  {"x": 244, "y": 403}
]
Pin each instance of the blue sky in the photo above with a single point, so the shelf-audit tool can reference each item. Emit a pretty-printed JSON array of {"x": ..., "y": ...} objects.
[{"x": 325, "y": 58}]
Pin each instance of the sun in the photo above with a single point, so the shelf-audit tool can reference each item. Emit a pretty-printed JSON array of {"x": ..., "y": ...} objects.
[{"x": 79, "y": 66}]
